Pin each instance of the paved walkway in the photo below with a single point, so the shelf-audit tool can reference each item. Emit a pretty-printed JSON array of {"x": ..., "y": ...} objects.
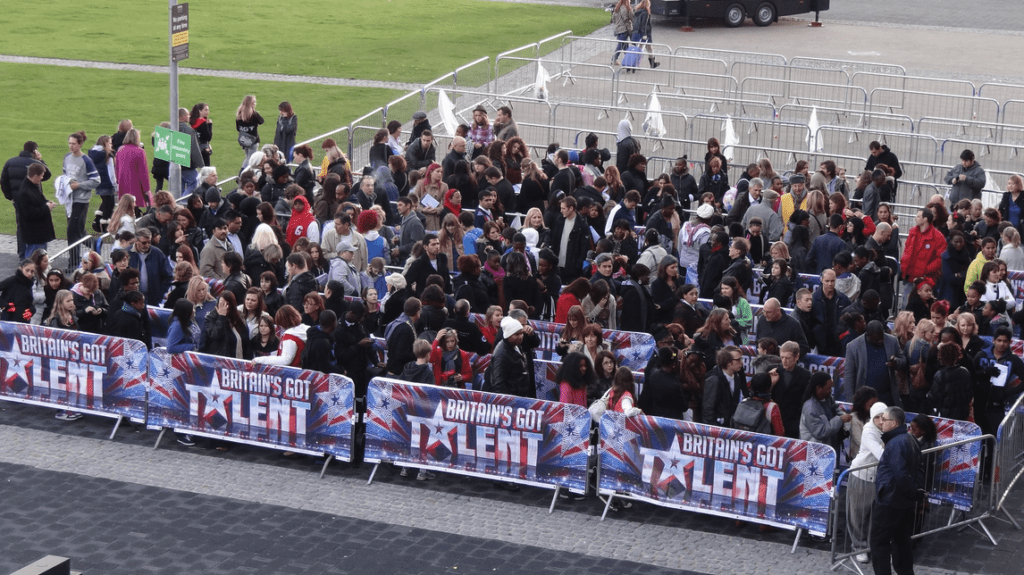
[
  {"x": 64, "y": 484},
  {"x": 232, "y": 74}
]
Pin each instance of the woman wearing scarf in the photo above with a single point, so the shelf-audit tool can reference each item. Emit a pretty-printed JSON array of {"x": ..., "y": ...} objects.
[
  {"x": 452, "y": 203},
  {"x": 451, "y": 364},
  {"x": 432, "y": 185}
]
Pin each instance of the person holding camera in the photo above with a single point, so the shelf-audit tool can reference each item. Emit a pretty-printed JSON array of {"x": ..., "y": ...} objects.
[{"x": 451, "y": 365}]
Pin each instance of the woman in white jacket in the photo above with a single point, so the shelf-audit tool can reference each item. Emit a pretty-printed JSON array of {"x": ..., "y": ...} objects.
[
  {"x": 289, "y": 352},
  {"x": 861, "y": 491}
]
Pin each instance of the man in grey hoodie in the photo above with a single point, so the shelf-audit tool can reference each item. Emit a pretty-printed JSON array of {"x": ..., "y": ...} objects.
[{"x": 966, "y": 179}]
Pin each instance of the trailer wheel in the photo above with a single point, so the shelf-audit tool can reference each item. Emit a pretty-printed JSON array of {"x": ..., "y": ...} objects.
[
  {"x": 765, "y": 14},
  {"x": 734, "y": 15}
]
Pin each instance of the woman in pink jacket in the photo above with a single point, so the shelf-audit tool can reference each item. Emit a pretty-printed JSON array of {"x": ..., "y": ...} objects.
[{"x": 132, "y": 170}]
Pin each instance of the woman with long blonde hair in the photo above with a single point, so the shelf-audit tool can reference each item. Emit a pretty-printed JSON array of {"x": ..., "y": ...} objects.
[
  {"x": 63, "y": 314},
  {"x": 123, "y": 217},
  {"x": 247, "y": 122}
]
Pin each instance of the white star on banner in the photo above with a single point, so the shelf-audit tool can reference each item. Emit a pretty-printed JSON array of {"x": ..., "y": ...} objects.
[
  {"x": 132, "y": 362},
  {"x": 163, "y": 373},
  {"x": 380, "y": 402},
  {"x": 673, "y": 462},
  {"x": 215, "y": 397},
  {"x": 438, "y": 426},
  {"x": 619, "y": 436},
  {"x": 16, "y": 362},
  {"x": 571, "y": 432},
  {"x": 337, "y": 398},
  {"x": 960, "y": 455},
  {"x": 812, "y": 471}
]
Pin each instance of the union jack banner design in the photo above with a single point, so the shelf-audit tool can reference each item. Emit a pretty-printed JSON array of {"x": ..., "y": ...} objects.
[
  {"x": 760, "y": 478},
  {"x": 526, "y": 441},
  {"x": 252, "y": 403},
  {"x": 98, "y": 374}
]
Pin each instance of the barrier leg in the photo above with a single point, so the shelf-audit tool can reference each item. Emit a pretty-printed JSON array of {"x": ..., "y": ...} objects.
[
  {"x": 116, "y": 425},
  {"x": 326, "y": 463},
  {"x": 796, "y": 540},
  {"x": 987, "y": 532},
  {"x": 554, "y": 499},
  {"x": 607, "y": 505},
  {"x": 1012, "y": 520},
  {"x": 159, "y": 437},
  {"x": 372, "y": 473}
]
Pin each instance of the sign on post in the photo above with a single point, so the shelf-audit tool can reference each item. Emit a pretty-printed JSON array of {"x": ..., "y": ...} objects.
[
  {"x": 179, "y": 32},
  {"x": 172, "y": 146}
]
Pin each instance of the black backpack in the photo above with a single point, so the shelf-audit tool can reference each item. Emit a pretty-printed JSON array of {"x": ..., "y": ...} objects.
[{"x": 751, "y": 415}]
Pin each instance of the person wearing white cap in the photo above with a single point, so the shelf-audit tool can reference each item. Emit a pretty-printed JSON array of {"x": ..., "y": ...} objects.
[
  {"x": 692, "y": 236},
  {"x": 861, "y": 491},
  {"x": 507, "y": 372},
  {"x": 343, "y": 271}
]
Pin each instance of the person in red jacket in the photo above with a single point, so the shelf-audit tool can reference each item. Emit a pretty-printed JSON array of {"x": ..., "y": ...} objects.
[
  {"x": 922, "y": 255},
  {"x": 451, "y": 364},
  {"x": 302, "y": 223}
]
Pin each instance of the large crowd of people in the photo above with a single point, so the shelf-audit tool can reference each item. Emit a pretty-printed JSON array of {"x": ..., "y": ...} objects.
[{"x": 306, "y": 255}]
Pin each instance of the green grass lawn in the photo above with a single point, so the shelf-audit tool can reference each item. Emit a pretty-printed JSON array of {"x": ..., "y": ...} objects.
[
  {"x": 398, "y": 40},
  {"x": 46, "y": 104}
]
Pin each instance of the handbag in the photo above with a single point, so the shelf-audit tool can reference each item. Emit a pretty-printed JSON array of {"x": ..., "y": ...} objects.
[
  {"x": 246, "y": 140},
  {"x": 599, "y": 406},
  {"x": 917, "y": 379}
]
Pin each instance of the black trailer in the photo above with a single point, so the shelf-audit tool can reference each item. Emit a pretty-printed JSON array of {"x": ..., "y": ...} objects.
[{"x": 734, "y": 12}]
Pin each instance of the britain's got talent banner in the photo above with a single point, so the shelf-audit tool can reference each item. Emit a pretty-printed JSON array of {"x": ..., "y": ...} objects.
[
  {"x": 265, "y": 405},
  {"x": 97, "y": 374},
  {"x": 526, "y": 441},
  {"x": 952, "y": 477},
  {"x": 726, "y": 472}
]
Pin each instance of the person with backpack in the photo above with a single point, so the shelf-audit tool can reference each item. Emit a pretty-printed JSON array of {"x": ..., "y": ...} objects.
[{"x": 758, "y": 413}]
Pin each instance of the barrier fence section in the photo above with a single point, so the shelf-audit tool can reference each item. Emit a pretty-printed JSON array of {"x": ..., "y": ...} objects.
[
  {"x": 279, "y": 407},
  {"x": 95, "y": 374},
  {"x": 952, "y": 499},
  {"x": 1009, "y": 456},
  {"x": 764, "y": 479},
  {"x": 501, "y": 437}
]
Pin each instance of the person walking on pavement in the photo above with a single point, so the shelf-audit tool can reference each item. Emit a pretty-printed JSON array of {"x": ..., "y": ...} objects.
[{"x": 899, "y": 484}]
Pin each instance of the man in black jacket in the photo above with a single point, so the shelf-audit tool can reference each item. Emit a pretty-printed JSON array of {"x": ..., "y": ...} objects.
[
  {"x": 431, "y": 262},
  {"x": 722, "y": 387},
  {"x": 421, "y": 152},
  {"x": 804, "y": 313},
  {"x": 14, "y": 173},
  {"x": 400, "y": 334},
  {"x": 570, "y": 240},
  {"x": 355, "y": 348},
  {"x": 502, "y": 187},
  {"x": 471, "y": 339},
  {"x": 899, "y": 485},
  {"x": 32, "y": 210},
  {"x": 508, "y": 372},
  {"x": 132, "y": 320},
  {"x": 883, "y": 155},
  {"x": 714, "y": 266},
  {"x": 828, "y": 303},
  {"x": 788, "y": 393},
  {"x": 318, "y": 353},
  {"x": 301, "y": 281},
  {"x": 781, "y": 327}
]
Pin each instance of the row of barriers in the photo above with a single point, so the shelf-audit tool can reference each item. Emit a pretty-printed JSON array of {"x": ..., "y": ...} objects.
[{"x": 764, "y": 479}]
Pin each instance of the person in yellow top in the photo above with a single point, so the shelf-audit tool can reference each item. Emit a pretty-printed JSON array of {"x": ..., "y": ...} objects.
[
  {"x": 796, "y": 199},
  {"x": 987, "y": 254}
]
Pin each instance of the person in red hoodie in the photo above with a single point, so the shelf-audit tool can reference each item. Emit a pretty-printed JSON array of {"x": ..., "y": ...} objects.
[
  {"x": 451, "y": 364},
  {"x": 922, "y": 255},
  {"x": 302, "y": 223}
]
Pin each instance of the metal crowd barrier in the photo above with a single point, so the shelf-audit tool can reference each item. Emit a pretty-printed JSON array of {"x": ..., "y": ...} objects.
[
  {"x": 954, "y": 499},
  {"x": 919, "y": 104},
  {"x": 871, "y": 80},
  {"x": 1009, "y": 459}
]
